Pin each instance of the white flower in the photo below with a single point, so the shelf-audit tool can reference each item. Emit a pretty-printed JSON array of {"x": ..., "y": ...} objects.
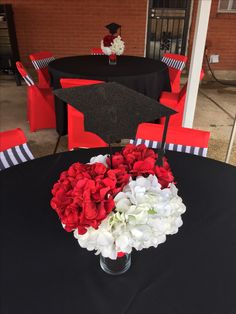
[
  {"x": 143, "y": 216},
  {"x": 123, "y": 243},
  {"x": 122, "y": 202},
  {"x": 117, "y": 47},
  {"x": 100, "y": 158},
  {"x": 106, "y": 50}
]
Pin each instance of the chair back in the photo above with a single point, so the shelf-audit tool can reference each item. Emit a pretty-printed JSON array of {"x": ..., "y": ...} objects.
[
  {"x": 40, "y": 103},
  {"x": 178, "y": 106},
  {"x": 40, "y": 62},
  {"x": 75, "y": 117},
  {"x": 178, "y": 138},
  {"x": 174, "y": 61},
  {"x": 27, "y": 78},
  {"x": 13, "y": 148},
  {"x": 176, "y": 64},
  {"x": 77, "y": 135},
  {"x": 97, "y": 52}
]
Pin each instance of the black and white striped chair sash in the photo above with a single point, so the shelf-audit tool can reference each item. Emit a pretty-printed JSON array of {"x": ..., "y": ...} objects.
[
  {"x": 42, "y": 63},
  {"x": 172, "y": 63},
  {"x": 28, "y": 80},
  {"x": 200, "y": 151},
  {"x": 14, "y": 156}
]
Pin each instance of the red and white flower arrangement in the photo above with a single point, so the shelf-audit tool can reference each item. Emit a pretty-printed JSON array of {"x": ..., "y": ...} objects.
[
  {"x": 112, "y": 45},
  {"x": 134, "y": 204}
]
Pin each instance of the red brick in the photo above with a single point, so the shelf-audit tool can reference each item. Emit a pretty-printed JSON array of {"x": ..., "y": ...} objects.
[
  {"x": 221, "y": 38},
  {"x": 72, "y": 27}
]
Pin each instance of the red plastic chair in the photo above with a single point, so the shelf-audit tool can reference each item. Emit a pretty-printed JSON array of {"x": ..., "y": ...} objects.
[
  {"x": 97, "y": 51},
  {"x": 40, "y": 103},
  {"x": 11, "y": 138},
  {"x": 77, "y": 136},
  {"x": 178, "y": 139},
  {"x": 40, "y": 62},
  {"x": 13, "y": 148},
  {"x": 176, "y": 101},
  {"x": 176, "y": 64}
]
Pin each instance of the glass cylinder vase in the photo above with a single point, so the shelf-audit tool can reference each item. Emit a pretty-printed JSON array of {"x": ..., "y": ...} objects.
[
  {"x": 113, "y": 59},
  {"x": 115, "y": 267}
]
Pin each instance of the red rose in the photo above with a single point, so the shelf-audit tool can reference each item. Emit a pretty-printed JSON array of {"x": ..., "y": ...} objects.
[
  {"x": 121, "y": 177},
  {"x": 70, "y": 220},
  {"x": 117, "y": 160},
  {"x": 164, "y": 174},
  {"x": 134, "y": 153},
  {"x": 98, "y": 169},
  {"x": 129, "y": 154},
  {"x": 143, "y": 167},
  {"x": 108, "y": 40},
  {"x": 146, "y": 152},
  {"x": 83, "y": 196}
]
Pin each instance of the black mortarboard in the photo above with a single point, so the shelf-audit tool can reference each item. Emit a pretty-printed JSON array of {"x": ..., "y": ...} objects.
[
  {"x": 114, "y": 111},
  {"x": 113, "y": 27}
]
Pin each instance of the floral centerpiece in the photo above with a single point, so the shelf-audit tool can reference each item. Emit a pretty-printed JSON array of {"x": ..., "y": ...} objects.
[
  {"x": 112, "y": 46},
  {"x": 132, "y": 205}
]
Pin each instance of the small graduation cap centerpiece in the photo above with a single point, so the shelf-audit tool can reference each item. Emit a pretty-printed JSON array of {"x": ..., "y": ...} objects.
[
  {"x": 112, "y": 45},
  {"x": 114, "y": 111}
]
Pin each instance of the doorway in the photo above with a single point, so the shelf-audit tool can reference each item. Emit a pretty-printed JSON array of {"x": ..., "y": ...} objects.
[{"x": 168, "y": 22}]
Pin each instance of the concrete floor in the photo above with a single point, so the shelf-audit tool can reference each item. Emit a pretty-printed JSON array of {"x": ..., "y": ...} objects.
[{"x": 215, "y": 111}]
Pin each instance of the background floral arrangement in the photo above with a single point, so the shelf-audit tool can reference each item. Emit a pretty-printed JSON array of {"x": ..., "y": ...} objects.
[
  {"x": 134, "y": 204},
  {"x": 112, "y": 45}
]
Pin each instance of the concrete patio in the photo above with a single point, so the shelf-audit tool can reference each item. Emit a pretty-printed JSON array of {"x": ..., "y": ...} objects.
[{"x": 216, "y": 107}]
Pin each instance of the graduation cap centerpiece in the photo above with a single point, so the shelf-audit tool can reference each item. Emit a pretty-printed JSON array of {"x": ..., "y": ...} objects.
[
  {"x": 101, "y": 204},
  {"x": 114, "y": 111},
  {"x": 112, "y": 45}
]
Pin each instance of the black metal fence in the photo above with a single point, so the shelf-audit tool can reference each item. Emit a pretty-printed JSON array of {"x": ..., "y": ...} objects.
[{"x": 167, "y": 27}]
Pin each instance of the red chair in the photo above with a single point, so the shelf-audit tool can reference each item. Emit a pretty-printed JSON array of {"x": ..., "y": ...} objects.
[
  {"x": 178, "y": 139},
  {"x": 13, "y": 148},
  {"x": 40, "y": 103},
  {"x": 77, "y": 136},
  {"x": 176, "y": 64},
  {"x": 40, "y": 62},
  {"x": 176, "y": 101},
  {"x": 97, "y": 51}
]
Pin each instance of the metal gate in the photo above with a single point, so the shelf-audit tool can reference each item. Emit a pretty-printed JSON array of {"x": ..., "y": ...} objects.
[{"x": 168, "y": 22}]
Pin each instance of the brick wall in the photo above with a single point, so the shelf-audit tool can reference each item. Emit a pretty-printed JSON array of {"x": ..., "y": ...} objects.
[
  {"x": 72, "y": 27},
  {"x": 221, "y": 37}
]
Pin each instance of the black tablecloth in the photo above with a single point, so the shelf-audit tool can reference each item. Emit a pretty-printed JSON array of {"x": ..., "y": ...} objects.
[
  {"x": 144, "y": 75},
  {"x": 44, "y": 271}
]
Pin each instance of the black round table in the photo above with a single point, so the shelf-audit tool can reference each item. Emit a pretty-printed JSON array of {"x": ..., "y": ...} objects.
[
  {"x": 43, "y": 269},
  {"x": 147, "y": 76}
]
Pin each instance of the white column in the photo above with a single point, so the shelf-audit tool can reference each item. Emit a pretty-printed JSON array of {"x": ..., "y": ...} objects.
[
  {"x": 146, "y": 29},
  {"x": 231, "y": 141},
  {"x": 204, "y": 7}
]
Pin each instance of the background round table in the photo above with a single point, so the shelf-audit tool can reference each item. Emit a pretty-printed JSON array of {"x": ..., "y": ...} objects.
[
  {"x": 147, "y": 76},
  {"x": 43, "y": 269}
]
